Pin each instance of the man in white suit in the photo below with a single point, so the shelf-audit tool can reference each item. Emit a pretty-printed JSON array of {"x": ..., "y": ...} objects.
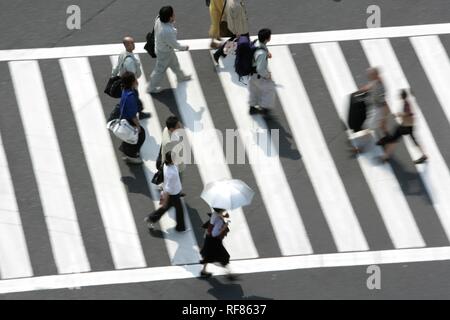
[{"x": 165, "y": 44}]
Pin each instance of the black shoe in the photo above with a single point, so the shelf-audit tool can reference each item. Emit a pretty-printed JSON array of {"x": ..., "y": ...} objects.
[
  {"x": 144, "y": 115},
  {"x": 265, "y": 112},
  {"x": 421, "y": 160},
  {"x": 253, "y": 111},
  {"x": 216, "y": 57},
  {"x": 205, "y": 274},
  {"x": 231, "y": 277}
]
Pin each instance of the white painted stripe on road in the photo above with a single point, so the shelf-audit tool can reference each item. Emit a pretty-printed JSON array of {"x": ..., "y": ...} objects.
[
  {"x": 327, "y": 183},
  {"x": 434, "y": 173},
  {"x": 434, "y": 60},
  {"x": 381, "y": 179},
  {"x": 182, "y": 248},
  {"x": 204, "y": 44},
  {"x": 332, "y": 260},
  {"x": 14, "y": 258},
  {"x": 48, "y": 166},
  {"x": 208, "y": 152},
  {"x": 267, "y": 169},
  {"x": 111, "y": 195}
]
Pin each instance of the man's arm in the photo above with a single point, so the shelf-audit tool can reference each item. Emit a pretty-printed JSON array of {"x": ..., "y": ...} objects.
[
  {"x": 171, "y": 40},
  {"x": 115, "y": 70},
  {"x": 262, "y": 65}
]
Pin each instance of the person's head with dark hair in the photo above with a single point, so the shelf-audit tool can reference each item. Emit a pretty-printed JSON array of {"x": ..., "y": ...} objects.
[
  {"x": 173, "y": 123},
  {"x": 403, "y": 94},
  {"x": 264, "y": 35},
  {"x": 166, "y": 14},
  {"x": 128, "y": 80},
  {"x": 218, "y": 210},
  {"x": 168, "y": 158}
]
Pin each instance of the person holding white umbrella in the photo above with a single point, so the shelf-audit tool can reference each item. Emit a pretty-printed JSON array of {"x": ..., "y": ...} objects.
[
  {"x": 221, "y": 196},
  {"x": 213, "y": 249}
]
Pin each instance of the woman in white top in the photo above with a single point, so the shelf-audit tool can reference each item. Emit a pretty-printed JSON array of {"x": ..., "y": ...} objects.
[
  {"x": 213, "y": 249},
  {"x": 171, "y": 195}
]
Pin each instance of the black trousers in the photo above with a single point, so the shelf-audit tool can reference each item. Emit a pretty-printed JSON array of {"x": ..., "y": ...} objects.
[
  {"x": 220, "y": 53},
  {"x": 174, "y": 201},
  {"x": 402, "y": 131},
  {"x": 132, "y": 150},
  {"x": 139, "y": 102}
]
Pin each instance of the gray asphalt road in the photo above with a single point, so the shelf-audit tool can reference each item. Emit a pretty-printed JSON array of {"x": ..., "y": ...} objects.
[
  {"x": 43, "y": 25},
  {"x": 398, "y": 281},
  {"x": 28, "y": 24}
]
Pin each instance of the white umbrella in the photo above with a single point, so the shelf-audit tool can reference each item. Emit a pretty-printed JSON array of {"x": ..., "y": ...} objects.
[{"x": 227, "y": 194}]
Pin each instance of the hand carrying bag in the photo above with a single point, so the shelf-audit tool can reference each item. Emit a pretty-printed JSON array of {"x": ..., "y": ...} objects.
[{"x": 123, "y": 130}]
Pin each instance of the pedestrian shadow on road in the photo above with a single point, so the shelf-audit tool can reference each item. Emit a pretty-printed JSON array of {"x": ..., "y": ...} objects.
[
  {"x": 410, "y": 181},
  {"x": 167, "y": 98},
  {"x": 287, "y": 147},
  {"x": 229, "y": 291},
  {"x": 137, "y": 183}
]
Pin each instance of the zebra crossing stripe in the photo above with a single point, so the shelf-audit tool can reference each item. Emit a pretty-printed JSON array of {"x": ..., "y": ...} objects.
[
  {"x": 434, "y": 173},
  {"x": 383, "y": 184},
  {"x": 321, "y": 169},
  {"x": 54, "y": 190},
  {"x": 266, "y": 166},
  {"x": 111, "y": 195},
  {"x": 204, "y": 44},
  {"x": 251, "y": 266},
  {"x": 181, "y": 247},
  {"x": 14, "y": 258},
  {"x": 208, "y": 151},
  {"x": 434, "y": 60}
]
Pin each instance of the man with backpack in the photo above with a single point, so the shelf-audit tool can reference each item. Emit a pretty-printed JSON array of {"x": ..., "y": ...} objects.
[{"x": 261, "y": 86}]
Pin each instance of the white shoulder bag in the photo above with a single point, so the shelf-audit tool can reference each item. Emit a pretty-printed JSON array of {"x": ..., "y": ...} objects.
[{"x": 123, "y": 130}]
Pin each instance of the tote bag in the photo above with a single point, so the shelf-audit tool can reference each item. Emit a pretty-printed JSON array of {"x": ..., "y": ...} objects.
[{"x": 122, "y": 129}]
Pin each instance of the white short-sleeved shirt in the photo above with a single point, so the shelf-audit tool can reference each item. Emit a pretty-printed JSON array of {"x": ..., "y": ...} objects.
[{"x": 172, "y": 182}]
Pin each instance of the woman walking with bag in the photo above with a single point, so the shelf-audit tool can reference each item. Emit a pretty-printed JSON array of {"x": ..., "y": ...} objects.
[
  {"x": 170, "y": 197},
  {"x": 129, "y": 109},
  {"x": 213, "y": 249}
]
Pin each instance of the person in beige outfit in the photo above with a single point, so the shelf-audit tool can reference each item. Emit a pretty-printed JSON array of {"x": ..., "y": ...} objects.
[
  {"x": 235, "y": 14},
  {"x": 215, "y": 13}
]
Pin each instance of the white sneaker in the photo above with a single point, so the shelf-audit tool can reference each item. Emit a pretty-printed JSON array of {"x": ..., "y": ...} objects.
[
  {"x": 154, "y": 90},
  {"x": 184, "y": 78},
  {"x": 136, "y": 160}
]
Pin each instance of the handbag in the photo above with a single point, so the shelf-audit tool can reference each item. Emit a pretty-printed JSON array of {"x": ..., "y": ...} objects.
[
  {"x": 223, "y": 26},
  {"x": 123, "y": 130},
  {"x": 114, "y": 85},
  {"x": 150, "y": 45},
  {"x": 158, "y": 177}
]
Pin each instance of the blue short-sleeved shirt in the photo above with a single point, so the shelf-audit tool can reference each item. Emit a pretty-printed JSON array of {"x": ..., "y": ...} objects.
[{"x": 128, "y": 104}]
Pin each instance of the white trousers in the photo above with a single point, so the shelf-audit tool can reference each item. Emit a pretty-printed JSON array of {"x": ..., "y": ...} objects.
[{"x": 163, "y": 61}]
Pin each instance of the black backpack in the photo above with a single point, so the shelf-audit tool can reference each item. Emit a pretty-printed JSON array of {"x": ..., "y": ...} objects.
[{"x": 245, "y": 51}]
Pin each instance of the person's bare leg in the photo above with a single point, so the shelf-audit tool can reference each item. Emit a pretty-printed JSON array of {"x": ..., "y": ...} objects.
[{"x": 388, "y": 150}]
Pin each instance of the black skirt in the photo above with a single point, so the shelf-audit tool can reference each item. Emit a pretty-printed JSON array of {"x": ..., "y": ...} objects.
[{"x": 214, "y": 251}]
